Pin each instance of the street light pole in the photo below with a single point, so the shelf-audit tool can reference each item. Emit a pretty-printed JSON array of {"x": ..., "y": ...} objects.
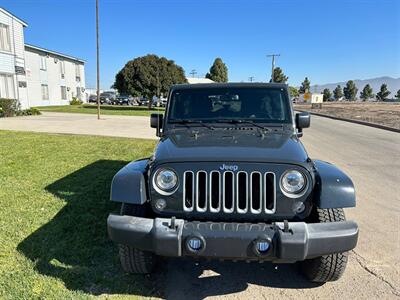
[
  {"x": 273, "y": 64},
  {"x": 98, "y": 59}
]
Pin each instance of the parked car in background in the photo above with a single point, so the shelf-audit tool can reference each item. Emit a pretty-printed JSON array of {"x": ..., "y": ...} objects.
[
  {"x": 142, "y": 101},
  {"x": 159, "y": 102},
  {"x": 107, "y": 98},
  {"x": 124, "y": 99},
  {"x": 92, "y": 99}
]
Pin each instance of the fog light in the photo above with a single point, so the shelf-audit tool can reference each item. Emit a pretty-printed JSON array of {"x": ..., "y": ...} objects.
[
  {"x": 298, "y": 207},
  {"x": 194, "y": 243},
  {"x": 262, "y": 246},
  {"x": 160, "y": 204}
]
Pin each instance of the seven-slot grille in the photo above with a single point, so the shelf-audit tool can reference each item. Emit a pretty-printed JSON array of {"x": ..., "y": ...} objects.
[{"x": 229, "y": 192}]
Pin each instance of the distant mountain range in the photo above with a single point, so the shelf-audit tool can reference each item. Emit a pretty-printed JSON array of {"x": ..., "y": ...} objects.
[{"x": 392, "y": 83}]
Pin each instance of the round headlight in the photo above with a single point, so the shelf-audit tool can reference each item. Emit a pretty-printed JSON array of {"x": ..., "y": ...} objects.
[
  {"x": 293, "y": 182},
  {"x": 166, "y": 180}
]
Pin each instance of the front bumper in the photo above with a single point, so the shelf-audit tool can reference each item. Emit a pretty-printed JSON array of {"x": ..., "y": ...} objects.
[{"x": 294, "y": 242}]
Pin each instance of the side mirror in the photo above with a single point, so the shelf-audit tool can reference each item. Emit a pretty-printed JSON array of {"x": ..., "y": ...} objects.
[
  {"x": 302, "y": 121},
  {"x": 156, "y": 121}
]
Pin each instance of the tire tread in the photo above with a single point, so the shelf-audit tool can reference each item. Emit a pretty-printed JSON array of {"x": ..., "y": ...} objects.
[{"x": 328, "y": 267}]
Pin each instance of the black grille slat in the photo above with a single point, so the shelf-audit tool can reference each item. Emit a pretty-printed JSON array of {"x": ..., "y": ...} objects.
[
  {"x": 215, "y": 191},
  {"x": 201, "y": 191},
  {"x": 242, "y": 192},
  {"x": 256, "y": 192},
  {"x": 228, "y": 192},
  {"x": 188, "y": 190},
  {"x": 269, "y": 191}
]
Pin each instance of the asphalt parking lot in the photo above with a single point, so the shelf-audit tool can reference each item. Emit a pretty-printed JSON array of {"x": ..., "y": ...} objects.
[{"x": 372, "y": 159}]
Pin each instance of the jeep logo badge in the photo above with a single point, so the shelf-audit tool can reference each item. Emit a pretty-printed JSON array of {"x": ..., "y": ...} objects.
[{"x": 225, "y": 167}]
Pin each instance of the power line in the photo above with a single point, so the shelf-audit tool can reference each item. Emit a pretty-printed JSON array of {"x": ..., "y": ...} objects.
[
  {"x": 193, "y": 72},
  {"x": 273, "y": 64},
  {"x": 251, "y": 78}
]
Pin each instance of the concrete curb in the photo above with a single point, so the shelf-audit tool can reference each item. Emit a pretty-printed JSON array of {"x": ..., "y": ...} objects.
[{"x": 353, "y": 121}]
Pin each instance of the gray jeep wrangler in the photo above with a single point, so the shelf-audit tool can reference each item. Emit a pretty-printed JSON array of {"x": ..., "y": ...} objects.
[{"x": 230, "y": 179}]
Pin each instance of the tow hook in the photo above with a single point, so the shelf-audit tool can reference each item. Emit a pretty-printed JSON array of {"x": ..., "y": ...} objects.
[
  {"x": 285, "y": 226},
  {"x": 172, "y": 225}
]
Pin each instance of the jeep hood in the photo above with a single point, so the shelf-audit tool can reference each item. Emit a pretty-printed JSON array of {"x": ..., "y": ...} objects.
[{"x": 186, "y": 146}]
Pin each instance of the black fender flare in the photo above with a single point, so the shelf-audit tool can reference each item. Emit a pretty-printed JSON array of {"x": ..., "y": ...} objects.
[
  {"x": 333, "y": 189},
  {"x": 129, "y": 184}
]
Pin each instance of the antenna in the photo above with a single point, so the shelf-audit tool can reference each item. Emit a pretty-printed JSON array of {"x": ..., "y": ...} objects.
[{"x": 251, "y": 78}]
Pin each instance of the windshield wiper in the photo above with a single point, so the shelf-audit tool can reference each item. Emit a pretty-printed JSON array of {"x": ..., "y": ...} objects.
[
  {"x": 188, "y": 121},
  {"x": 241, "y": 121}
]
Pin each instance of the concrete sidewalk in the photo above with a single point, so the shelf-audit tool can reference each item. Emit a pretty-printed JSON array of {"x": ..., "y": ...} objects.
[{"x": 86, "y": 124}]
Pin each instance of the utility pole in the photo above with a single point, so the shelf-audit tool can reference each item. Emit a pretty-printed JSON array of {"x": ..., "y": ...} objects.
[
  {"x": 193, "y": 72},
  {"x": 273, "y": 64},
  {"x": 97, "y": 59},
  {"x": 251, "y": 78}
]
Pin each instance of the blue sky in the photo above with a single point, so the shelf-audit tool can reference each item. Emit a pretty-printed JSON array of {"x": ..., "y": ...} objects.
[{"x": 328, "y": 41}]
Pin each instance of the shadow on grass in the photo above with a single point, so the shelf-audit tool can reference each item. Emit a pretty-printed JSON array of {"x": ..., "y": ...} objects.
[{"x": 74, "y": 245}]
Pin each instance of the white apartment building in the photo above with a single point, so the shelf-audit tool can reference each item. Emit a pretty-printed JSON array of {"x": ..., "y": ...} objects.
[
  {"x": 53, "y": 78},
  {"x": 12, "y": 58},
  {"x": 33, "y": 75}
]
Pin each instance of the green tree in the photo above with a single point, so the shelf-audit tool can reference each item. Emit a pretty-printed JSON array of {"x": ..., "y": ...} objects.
[
  {"x": 305, "y": 86},
  {"x": 350, "y": 90},
  {"x": 327, "y": 95},
  {"x": 294, "y": 92},
  {"x": 337, "y": 93},
  {"x": 218, "y": 71},
  {"x": 366, "y": 93},
  {"x": 279, "y": 76},
  {"x": 148, "y": 76},
  {"x": 398, "y": 94},
  {"x": 383, "y": 93}
]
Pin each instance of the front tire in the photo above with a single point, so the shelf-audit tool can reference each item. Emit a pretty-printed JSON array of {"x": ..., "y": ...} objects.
[
  {"x": 328, "y": 267},
  {"x": 134, "y": 260}
]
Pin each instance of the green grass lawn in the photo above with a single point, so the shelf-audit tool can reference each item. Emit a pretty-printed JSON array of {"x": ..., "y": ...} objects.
[
  {"x": 105, "y": 109},
  {"x": 54, "y": 192}
]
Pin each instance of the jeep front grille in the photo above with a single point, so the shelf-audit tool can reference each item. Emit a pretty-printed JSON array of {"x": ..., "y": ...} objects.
[{"x": 229, "y": 192}]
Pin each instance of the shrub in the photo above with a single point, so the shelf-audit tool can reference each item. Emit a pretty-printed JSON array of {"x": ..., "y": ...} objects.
[
  {"x": 8, "y": 107},
  {"x": 75, "y": 101},
  {"x": 28, "y": 112}
]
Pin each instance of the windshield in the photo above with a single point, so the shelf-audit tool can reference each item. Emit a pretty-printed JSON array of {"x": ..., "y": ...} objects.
[{"x": 264, "y": 105}]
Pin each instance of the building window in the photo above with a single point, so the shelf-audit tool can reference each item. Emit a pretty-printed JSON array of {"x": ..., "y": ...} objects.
[
  {"x": 77, "y": 72},
  {"x": 45, "y": 92},
  {"x": 43, "y": 62},
  {"x": 7, "y": 89},
  {"x": 63, "y": 93},
  {"x": 78, "y": 92},
  {"x": 5, "y": 44},
  {"x": 62, "y": 68}
]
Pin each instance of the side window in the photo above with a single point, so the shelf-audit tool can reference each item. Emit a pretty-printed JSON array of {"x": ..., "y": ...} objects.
[
  {"x": 63, "y": 93},
  {"x": 7, "y": 86},
  {"x": 43, "y": 62},
  {"x": 45, "y": 92},
  {"x": 5, "y": 44},
  {"x": 77, "y": 73},
  {"x": 62, "y": 68}
]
